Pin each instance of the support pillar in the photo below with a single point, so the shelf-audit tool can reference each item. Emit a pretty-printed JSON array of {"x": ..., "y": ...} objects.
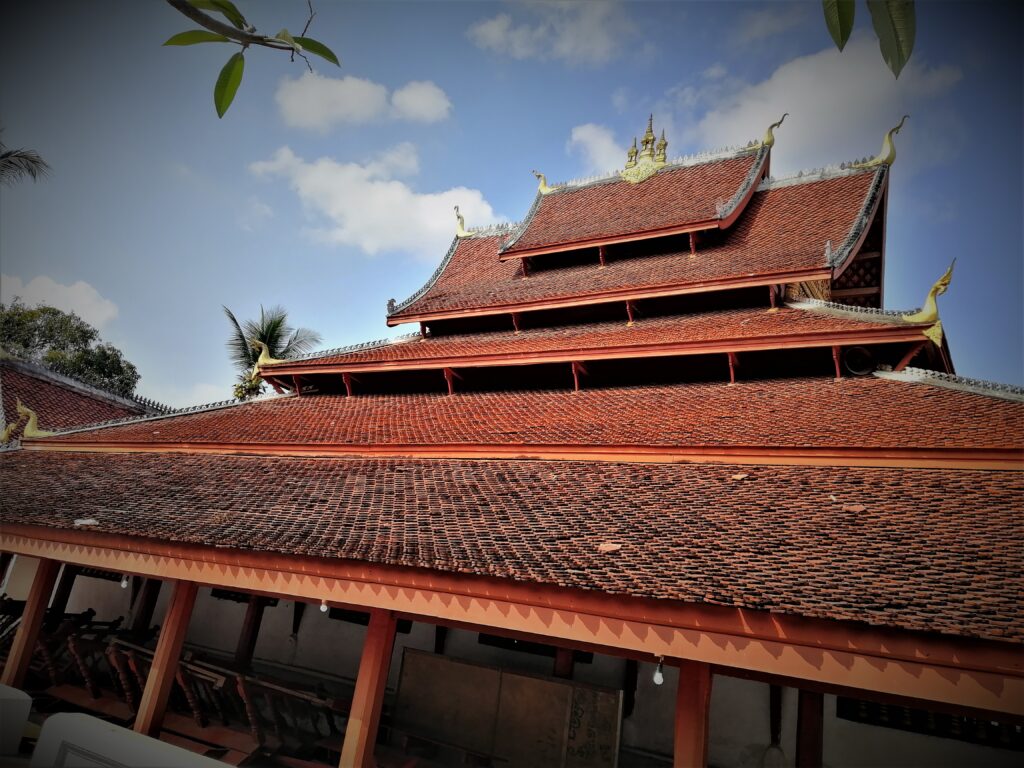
[
  {"x": 150, "y": 717},
  {"x": 911, "y": 354},
  {"x": 297, "y": 385},
  {"x": 27, "y": 635},
  {"x": 601, "y": 257},
  {"x": 630, "y": 311},
  {"x": 450, "y": 376},
  {"x": 364, "y": 716},
  {"x": 250, "y": 632},
  {"x": 578, "y": 369},
  {"x": 809, "y": 736},
  {"x": 693, "y": 711},
  {"x": 347, "y": 378},
  {"x": 693, "y": 243},
  {"x": 515, "y": 322},
  {"x": 733, "y": 365},
  {"x": 59, "y": 603},
  {"x": 836, "y": 358},
  {"x": 145, "y": 605}
]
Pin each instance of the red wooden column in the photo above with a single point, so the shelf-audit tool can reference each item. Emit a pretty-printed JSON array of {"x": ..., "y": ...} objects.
[
  {"x": 31, "y": 622},
  {"x": 150, "y": 717},
  {"x": 693, "y": 710},
  {"x": 364, "y": 716},
  {"x": 809, "y": 736},
  {"x": 250, "y": 632}
]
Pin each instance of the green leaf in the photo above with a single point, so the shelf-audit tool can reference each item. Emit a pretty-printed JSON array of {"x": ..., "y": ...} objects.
[
  {"x": 894, "y": 24},
  {"x": 194, "y": 36},
  {"x": 839, "y": 19},
  {"x": 225, "y": 7},
  {"x": 227, "y": 83},
  {"x": 321, "y": 50},
  {"x": 286, "y": 37}
]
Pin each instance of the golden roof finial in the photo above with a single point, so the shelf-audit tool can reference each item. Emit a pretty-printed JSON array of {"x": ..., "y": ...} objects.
[
  {"x": 645, "y": 163},
  {"x": 32, "y": 425},
  {"x": 460, "y": 227},
  {"x": 662, "y": 148},
  {"x": 542, "y": 183},
  {"x": 929, "y": 313},
  {"x": 631, "y": 155},
  {"x": 888, "y": 154},
  {"x": 769, "y": 135},
  {"x": 263, "y": 359}
]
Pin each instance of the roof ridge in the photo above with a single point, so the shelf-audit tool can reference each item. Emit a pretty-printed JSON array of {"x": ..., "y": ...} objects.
[
  {"x": 38, "y": 369},
  {"x": 394, "y": 308},
  {"x": 870, "y": 314},
  {"x": 811, "y": 175},
  {"x": 351, "y": 348},
  {"x": 952, "y": 381},
  {"x": 214, "y": 406},
  {"x": 680, "y": 161}
]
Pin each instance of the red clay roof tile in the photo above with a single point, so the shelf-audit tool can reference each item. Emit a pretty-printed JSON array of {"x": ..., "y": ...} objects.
[
  {"x": 931, "y": 550},
  {"x": 782, "y": 229}
]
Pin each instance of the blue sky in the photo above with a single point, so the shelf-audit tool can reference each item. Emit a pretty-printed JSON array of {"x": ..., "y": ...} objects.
[{"x": 331, "y": 193}]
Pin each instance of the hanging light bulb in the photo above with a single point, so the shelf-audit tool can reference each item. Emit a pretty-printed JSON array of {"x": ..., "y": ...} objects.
[
  {"x": 323, "y": 606},
  {"x": 124, "y": 582},
  {"x": 659, "y": 674}
]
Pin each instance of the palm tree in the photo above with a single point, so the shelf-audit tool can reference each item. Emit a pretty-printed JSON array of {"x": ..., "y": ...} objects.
[
  {"x": 272, "y": 329},
  {"x": 16, "y": 164}
]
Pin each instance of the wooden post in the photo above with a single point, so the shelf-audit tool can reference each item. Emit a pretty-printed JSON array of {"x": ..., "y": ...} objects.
[
  {"x": 347, "y": 378},
  {"x": 364, "y": 715},
  {"x": 563, "y": 663},
  {"x": 577, "y": 370},
  {"x": 693, "y": 243},
  {"x": 297, "y": 385},
  {"x": 250, "y": 632},
  {"x": 515, "y": 322},
  {"x": 911, "y": 354},
  {"x": 525, "y": 267},
  {"x": 145, "y": 604},
  {"x": 629, "y": 313},
  {"x": 693, "y": 710},
  {"x": 165, "y": 659},
  {"x": 836, "y": 360},
  {"x": 809, "y": 736},
  {"x": 601, "y": 257},
  {"x": 59, "y": 603},
  {"x": 31, "y": 622},
  {"x": 733, "y": 365},
  {"x": 450, "y": 376},
  {"x": 771, "y": 296}
]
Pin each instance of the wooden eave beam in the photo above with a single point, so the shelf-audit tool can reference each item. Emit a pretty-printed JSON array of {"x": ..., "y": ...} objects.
[
  {"x": 1006, "y": 458},
  {"x": 599, "y": 242},
  {"x": 620, "y": 294},
  {"x": 883, "y": 334},
  {"x": 986, "y": 675}
]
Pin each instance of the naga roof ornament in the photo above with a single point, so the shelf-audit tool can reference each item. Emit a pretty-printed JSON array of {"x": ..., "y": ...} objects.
[
  {"x": 460, "y": 227},
  {"x": 929, "y": 313},
  {"x": 769, "y": 135},
  {"x": 542, "y": 183},
  {"x": 263, "y": 359},
  {"x": 32, "y": 425},
  {"x": 649, "y": 159},
  {"x": 888, "y": 154}
]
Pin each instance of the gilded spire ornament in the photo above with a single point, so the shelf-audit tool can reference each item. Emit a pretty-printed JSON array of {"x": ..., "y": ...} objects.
[
  {"x": 929, "y": 313},
  {"x": 643, "y": 163},
  {"x": 888, "y": 154},
  {"x": 769, "y": 135},
  {"x": 542, "y": 183},
  {"x": 460, "y": 227}
]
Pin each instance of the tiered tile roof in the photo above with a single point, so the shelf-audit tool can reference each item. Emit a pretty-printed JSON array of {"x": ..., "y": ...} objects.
[
  {"x": 784, "y": 230},
  {"x": 920, "y": 550}
]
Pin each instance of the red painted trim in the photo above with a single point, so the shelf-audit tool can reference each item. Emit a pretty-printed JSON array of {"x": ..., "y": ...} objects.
[
  {"x": 603, "y": 297},
  {"x": 884, "y": 334},
  {"x": 1006, "y": 458}
]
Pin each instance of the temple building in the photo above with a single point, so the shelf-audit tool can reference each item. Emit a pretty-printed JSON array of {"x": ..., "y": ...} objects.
[{"x": 655, "y": 478}]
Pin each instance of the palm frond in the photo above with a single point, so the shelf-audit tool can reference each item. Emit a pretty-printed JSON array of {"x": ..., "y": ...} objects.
[
  {"x": 301, "y": 341},
  {"x": 241, "y": 352},
  {"x": 16, "y": 164}
]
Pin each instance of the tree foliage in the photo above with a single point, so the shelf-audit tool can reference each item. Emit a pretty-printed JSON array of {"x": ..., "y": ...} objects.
[
  {"x": 894, "y": 23},
  {"x": 239, "y": 31},
  {"x": 18, "y": 164},
  {"x": 272, "y": 329},
  {"x": 67, "y": 344}
]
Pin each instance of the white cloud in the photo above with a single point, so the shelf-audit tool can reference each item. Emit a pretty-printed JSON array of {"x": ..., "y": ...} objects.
[
  {"x": 421, "y": 101},
  {"x": 253, "y": 214},
  {"x": 772, "y": 21},
  {"x": 366, "y": 206},
  {"x": 620, "y": 99},
  {"x": 79, "y": 297},
  {"x": 840, "y": 104},
  {"x": 715, "y": 72},
  {"x": 598, "y": 147},
  {"x": 587, "y": 33},
  {"x": 318, "y": 103}
]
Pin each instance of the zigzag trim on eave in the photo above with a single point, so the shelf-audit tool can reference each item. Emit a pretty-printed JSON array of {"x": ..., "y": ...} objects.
[{"x": 951, "y": 381}]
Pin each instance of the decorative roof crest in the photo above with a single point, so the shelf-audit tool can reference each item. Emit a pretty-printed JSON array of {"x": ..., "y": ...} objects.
[
  {"x": 542, "y": 183},
  {"x": 649, "y": 159},
  {"x": 929, "y": 313},
  {"x": 460, "y": 228},
  {"x": 769, "y": 135},
  {"x": 888, "y": 154}
]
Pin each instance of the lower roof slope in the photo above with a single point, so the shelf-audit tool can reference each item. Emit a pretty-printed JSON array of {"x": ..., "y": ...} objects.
[
  {"x": 783, "y": 229},
  {"x": 869, "y": 412},
  {"x": 913, "y": 549}
]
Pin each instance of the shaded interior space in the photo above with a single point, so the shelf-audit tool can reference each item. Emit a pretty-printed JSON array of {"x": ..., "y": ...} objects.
[
  {"x": 267, "y": 681},
  {"x": 860, "y": 283}
]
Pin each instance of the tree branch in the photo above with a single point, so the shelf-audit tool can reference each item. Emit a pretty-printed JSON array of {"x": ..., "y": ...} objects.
[{"x": 238, "y": 35}]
